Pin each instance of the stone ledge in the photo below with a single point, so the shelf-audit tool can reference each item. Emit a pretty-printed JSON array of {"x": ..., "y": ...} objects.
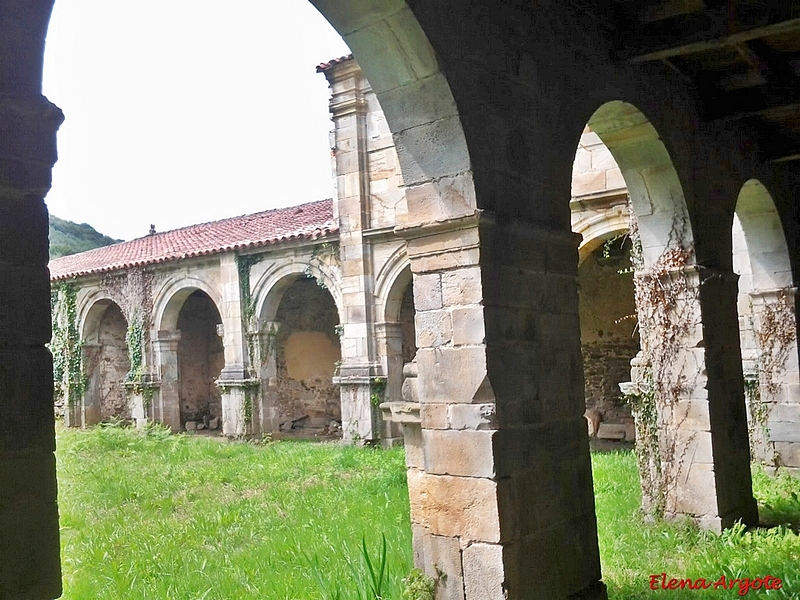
[{"x": 401, "y": 412}]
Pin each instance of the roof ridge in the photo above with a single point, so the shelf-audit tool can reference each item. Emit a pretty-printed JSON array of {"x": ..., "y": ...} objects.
[
  {"x": 309, "y": 220},
  {"x": 217, "y": 221}
]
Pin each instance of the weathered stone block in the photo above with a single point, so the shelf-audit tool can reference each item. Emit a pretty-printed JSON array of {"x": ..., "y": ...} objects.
[
  {"x": 443, "y": 563},
  {"x": 433, "y": 328},
  {"x": 588, "y": 183},
  {"x": 465, "y": 453},
  {"x": 471, "y": 416},
  {"x": 484, "y": 572},
  {"x": 468, "y": 326},
  {"x": 427, "y": 292},
  {"x": 462, "y": 287},
  {"x": 457, "y": 506},
  {"x": 452, "y": 375}
]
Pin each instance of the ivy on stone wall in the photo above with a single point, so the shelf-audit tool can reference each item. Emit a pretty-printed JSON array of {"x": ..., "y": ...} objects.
[
  {"x": 245, "y": 262},
  {"x": 132, "y": 291},
  {"x": 377, "y": 390},
  {"x": 322, "y": 253},
  {"x": 775, "y": 333},
  {"x": 665, "y": 301},
  {"x": 66, "y": 345}
]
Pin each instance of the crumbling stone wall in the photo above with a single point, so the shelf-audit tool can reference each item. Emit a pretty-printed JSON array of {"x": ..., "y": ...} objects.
[
  {"x": 111, "y": 363},
  {"x": 608, "y": 337},
  {"x": 200, "y": 359},
  {"x": 306, "y": 358}
]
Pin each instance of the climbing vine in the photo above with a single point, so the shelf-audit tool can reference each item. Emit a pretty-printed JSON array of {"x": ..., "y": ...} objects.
[
  {"x": 132, "y": 291},
  {"x": 377, "y": 390},
  {"x": 326, "y": 251},
  {"x": 775, "y": 333},
  {"x": 666, "y": 304},
  {"x": 66, "y": 345},
  {"x": 244, "y": 262}
]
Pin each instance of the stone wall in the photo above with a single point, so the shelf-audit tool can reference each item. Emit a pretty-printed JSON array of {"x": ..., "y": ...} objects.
[
  {"x": 200, "y": 359},
  {"x": 608, "y": 335},
  {"x": 110, "y": 358},
  {"x": 307, "y": 354}
]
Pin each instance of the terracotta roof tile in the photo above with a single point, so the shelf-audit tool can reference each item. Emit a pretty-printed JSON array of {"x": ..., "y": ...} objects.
[
  {"x": 306, "y": 221},
  {"x": 322, "y": 67}
]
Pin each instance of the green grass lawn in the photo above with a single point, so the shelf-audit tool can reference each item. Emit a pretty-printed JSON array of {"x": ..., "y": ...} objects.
[{"x": 178, "y": 517}]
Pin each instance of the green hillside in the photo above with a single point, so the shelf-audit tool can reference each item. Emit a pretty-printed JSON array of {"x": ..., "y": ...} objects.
[{"x": 67, "y": 237}]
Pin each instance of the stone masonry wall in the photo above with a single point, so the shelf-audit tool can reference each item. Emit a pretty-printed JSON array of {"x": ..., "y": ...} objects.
[
  {"x": 307, "y": 353},
  {"x": 608, "y": 337},
  {"x": 112, "y": 364},
  {"x": 200, "y": 359}
]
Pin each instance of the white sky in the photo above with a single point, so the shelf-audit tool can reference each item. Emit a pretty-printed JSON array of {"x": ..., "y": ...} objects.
[{"x": 185, "y": 111}]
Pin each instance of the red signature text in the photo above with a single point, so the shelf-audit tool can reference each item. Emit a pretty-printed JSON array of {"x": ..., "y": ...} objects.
[{"x": 742, "y": 586}]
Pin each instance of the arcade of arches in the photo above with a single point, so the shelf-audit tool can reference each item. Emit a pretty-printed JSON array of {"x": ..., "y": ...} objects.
[{"x": 485, "y": 106}]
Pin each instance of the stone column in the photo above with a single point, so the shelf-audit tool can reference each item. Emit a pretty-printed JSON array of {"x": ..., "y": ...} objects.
[
  {"x": 166, "y": 407},
  {"x": 233, "y": 328},
  {"x": 359, "y": 368},
  {"x": 266, "y": 417},
  {"x": 726, "y": 406},
  {"x": 499, "y": 475},
  {"x": 774, "y": 410},
  {"x": 239, "y": 398},
  {"x": 238, "y": 386},
  {"x": 690, "y": 339},
  {"x": 389, "y": 342},
  {"x": 29, "y": 539}
]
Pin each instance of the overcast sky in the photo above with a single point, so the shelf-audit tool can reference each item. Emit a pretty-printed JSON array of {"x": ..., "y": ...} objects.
[{"x": 184, "y": 111}]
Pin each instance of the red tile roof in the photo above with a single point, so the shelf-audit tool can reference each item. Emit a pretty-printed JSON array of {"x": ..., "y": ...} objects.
[
  {"x": 307, "y": 221},
  {"x": 322, "y": 67}
]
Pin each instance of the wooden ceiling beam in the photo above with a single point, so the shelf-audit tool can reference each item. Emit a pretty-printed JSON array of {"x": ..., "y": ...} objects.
[{"x": 701, "y": 32}]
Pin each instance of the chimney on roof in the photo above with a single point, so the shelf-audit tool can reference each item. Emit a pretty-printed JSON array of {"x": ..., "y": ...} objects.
[{"x": 152, "y": 229}]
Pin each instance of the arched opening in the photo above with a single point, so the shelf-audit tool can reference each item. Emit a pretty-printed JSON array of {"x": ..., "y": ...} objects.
[
  {"x": 201, "y": 357},
  {"x": 106, "y": 363},
  {"x": 307, "y": 353},
  {"x": 396, "y": 336},
  {"x": 609, "y": 336},
  {"x": 767, "y": 328},
  {"x": 669, "y": 377}
]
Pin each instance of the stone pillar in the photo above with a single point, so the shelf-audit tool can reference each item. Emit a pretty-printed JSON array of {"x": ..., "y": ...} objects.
[
  {"x": 266, "y": 418},
  {"x": 86, "y": 412},
  {"x": 726, "y": 406},
  {"x": 140, "y": 398},
  {"x": 499, "y": 474},
  {"x": 239, "y": 398},
  {"x": 690, "y": 339},
  {"x": 389, "y": 342},
  {"x": 359, "y": 368},
  {"x": 233, "y": 328},
  {"x": 29, "y": 539},
  {"x": 166, "y": 407},
  {"x": 774, "y": 398}
]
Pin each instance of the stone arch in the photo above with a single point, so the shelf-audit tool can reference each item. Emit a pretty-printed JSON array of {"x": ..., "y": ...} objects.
[
  {"x": 390, "y": 284},
  {"x": 201, "y": 358},
  {"x": 655, "y": 189},
  {"x": 105, "y": 360},
  {"x": 90, "y": 312},
  {"x": 767, "y": 327},
  {"x": 169, "y": 300},
  {"x": 764, "y": 237},
  {"x": 598, "y": 232},
  {"x": 270, "y": 287}
]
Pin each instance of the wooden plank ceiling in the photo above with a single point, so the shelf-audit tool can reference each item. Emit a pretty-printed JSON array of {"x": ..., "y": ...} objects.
[{"x": 743, "y": 56}]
